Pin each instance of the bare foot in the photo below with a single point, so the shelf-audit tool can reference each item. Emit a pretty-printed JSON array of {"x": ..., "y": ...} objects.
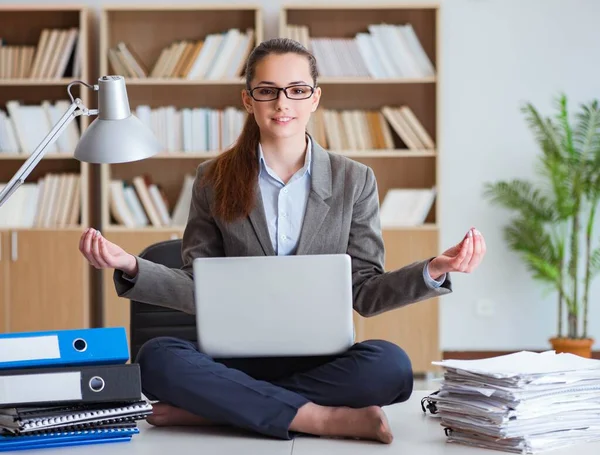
[
  {"x": 364, "y": 423},
  {"x": 166, "y": 415}
]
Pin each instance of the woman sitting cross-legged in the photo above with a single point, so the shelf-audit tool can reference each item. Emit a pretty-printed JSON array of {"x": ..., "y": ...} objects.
[{"x": 327, "y": 198}]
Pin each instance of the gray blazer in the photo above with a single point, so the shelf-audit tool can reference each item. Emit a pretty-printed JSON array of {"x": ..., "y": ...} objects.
[{"x": 342, "y": 216}]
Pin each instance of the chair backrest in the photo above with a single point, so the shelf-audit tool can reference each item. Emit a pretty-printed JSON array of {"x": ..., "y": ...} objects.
[{"x": 151, "y": 321}]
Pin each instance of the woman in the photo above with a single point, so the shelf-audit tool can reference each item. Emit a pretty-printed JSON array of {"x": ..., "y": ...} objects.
[{"x": 276, "y": 191}]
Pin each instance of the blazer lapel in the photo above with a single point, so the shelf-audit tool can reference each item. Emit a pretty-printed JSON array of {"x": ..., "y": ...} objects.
[
  {"x": 259, "y": 223},
  {"x": 317, "y": 206}
]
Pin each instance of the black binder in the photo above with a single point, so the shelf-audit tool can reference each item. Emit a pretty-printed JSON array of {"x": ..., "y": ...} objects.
[
  {"x": 72, "y": 418},
  {"x": 83, "y": 384}
]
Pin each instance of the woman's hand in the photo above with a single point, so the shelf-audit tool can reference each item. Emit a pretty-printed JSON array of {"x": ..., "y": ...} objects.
[
  {"x": 103, "y": 254},
  {"x": 463, "y": 257}
]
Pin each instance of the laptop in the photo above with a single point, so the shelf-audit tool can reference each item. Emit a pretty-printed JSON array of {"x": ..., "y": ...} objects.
[{"x": 268, "y": 306}]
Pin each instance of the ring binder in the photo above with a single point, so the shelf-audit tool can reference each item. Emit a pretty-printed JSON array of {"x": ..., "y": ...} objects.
[
  {"x": 65, "y": 438},
  {"x": 22, "y": 423}
]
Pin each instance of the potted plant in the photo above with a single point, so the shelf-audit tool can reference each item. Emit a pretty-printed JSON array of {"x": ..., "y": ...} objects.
[{"x": 554, "y": 220}]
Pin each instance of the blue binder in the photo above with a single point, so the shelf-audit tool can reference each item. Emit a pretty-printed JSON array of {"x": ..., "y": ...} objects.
[
  {"x": 67, "y": 438},
  {"x": 107, "y": 345}
]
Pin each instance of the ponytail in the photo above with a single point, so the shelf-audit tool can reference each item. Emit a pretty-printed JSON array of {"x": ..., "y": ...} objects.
[{"x": 234, "y": 175}]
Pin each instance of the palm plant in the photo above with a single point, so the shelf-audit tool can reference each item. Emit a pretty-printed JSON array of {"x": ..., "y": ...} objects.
[{"x": 554, "y": 213}]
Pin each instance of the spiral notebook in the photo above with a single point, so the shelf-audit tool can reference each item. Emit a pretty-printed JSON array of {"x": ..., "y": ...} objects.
[
  {"x": 29, "y": 420},
  {"x": 66, "y": 438}
]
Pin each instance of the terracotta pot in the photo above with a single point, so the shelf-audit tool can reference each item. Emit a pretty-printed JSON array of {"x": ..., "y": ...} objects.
[{"x": 577, "y": 346}]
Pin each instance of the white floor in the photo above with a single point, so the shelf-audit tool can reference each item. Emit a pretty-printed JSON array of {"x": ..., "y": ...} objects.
[
  {"x": 414, "y": 433},
  {"x": 226, "y": 441}
]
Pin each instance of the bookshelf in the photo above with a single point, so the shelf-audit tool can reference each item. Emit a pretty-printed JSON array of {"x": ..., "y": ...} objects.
[
  {"x": 155, "y": 81},
  {"x": 336, "y": 33},
  {"x": 41, "y": 52}
]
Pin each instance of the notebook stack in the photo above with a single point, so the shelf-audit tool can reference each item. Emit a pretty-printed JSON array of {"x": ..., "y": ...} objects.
[
  {"x": 523, "y": 403},
  {"x": 68, "y": 387}
]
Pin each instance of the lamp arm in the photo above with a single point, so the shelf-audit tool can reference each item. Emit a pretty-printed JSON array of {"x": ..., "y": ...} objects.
[{"x": 75, "y": 109}]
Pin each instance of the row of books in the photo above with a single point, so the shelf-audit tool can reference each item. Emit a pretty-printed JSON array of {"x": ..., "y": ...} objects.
[
  {"x": 68, "y": 387},
  {"x": 54, "y": 201},
  {"x": 48, "y": 60},
  {"x": 15, "y": 61},
  {"x": 217, "y": 56},
  {"x": 206, "y": 129},
  {"x": 142, "y": 202},
  {"x": 385, "y": 51},
  {"x": 211, "y": 130},
  {"x": 368, "y": 129},
  {"x": 193, "y": 129},
  {"x": 24, "y": 126}
]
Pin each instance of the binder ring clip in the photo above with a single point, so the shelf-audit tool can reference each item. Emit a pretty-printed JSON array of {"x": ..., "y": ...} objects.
[
  {"x": 80, "y": 345},
  {"x": 96, "y": 384}
]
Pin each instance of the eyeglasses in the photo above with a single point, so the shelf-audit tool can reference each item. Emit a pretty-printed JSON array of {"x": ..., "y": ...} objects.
[{"x": 293, "y": 92}]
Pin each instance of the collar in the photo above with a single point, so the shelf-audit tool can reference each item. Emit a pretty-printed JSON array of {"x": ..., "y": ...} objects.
[{"x": 263, "y": 167}]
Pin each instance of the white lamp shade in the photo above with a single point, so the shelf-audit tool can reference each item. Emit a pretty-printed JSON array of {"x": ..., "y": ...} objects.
[
  {"x": 116, "y": 141},
  {"x": 116, "y": 136}
]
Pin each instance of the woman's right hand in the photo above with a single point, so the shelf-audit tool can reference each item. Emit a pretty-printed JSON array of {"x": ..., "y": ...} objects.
[{"x": 103, "y": 254}]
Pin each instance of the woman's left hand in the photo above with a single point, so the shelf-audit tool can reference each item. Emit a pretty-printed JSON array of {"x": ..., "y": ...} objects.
[{"x": 463, "y": 257}]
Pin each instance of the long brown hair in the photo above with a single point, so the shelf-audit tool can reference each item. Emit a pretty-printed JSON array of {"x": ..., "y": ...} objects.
[{"x": 234, "y": 173}]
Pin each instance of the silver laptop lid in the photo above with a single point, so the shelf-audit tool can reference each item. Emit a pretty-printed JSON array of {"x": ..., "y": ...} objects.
[{"x": 274, "y": 305}]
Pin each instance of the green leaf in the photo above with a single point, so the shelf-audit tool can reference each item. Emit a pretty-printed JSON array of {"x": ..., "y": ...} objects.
[
  {"x": 522, "y": 196},
  {"x": 595, "y": 262},
  {"x": 531, "y": 240}
]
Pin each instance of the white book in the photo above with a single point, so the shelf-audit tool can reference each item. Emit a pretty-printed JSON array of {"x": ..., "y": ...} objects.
[
  {"x": 404, "y": 54},
  {"x": 135, "y": 206},
  {"x": 119, "y": 206},
  {"x": 178, "y": 120},
  {"x": 187, "y": 126},
  {"x": 71, "y": 133},
  {"x": 11, "y": 212},
  {"x": 235, "y": 66},
  {"x": 9, "y": 136},
  {"x": 406, "y": 207},
  {"x": 210, "y": 48},
  {"x": 381, "y": 54},
  {"x": 386, "y": 51},
  {"x": 159, "y": 204},
  {"x": 421, "y": 57},
  {"x": 182, "y": 206},
  {"x": 225, "y": 55},
  {"x": 369, "y": 56}
]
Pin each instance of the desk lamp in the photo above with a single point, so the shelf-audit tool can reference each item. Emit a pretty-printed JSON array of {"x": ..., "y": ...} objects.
[{"x": 116, "y": 136}]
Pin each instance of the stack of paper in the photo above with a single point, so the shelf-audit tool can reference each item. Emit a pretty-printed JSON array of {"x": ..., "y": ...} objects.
[{"x": 524, "y": 402}]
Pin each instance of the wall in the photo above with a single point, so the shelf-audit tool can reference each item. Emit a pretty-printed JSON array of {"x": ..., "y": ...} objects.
[
  {"x": 498, "y": 54},
  {"x": 495, "y": 55}
]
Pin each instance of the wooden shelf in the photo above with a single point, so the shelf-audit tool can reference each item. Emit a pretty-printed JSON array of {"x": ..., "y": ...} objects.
[
  {"x": 349, "y": 153},
  {"x": 147, "y": 229},
  {"x": 174, "y": 81},
  {"x": 78, "y": 228},
  {"x": 388, "y": 153},
  {"x": 58, "y": 295},
  {"x": 22, "y": 157},
  {"x": 423, "y": 227},
  {"x": 399, "y": 168},
  {"x": 321, "y": 81},
  {"x": 180, "y": 229},
  {"x": 37, "y": 82},
  {"x": 370, "y": 80},
  {"x": 358, "y": 6}
]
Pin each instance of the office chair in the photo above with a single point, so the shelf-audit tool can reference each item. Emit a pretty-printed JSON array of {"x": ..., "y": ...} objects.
[{"x": 151, "y": 321}]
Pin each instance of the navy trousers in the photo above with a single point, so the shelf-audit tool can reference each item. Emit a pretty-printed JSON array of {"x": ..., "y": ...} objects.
[{"x": 264, "y": 394}]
